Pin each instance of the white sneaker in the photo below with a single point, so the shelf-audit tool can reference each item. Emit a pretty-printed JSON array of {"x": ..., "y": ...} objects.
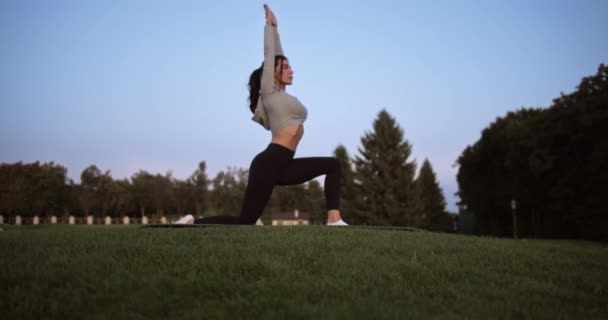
[
  {"x": 339, "y": 223},
  {"x": 183, "y": 220}
]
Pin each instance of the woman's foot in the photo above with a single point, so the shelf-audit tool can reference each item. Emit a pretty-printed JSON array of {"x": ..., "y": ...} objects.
[
  {"x": 339, "y": 223},
  {"x": 188, "y": 219},
  {"x": 334, "y": 218}
]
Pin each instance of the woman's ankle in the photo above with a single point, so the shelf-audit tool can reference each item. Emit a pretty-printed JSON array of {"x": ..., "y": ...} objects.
[{"x": 333, "y": 216}]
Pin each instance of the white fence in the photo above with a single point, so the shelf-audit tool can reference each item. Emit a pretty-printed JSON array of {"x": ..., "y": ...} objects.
[{"x": 90, "y": 220}]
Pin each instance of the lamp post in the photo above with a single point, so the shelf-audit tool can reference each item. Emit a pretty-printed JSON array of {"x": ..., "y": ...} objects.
[{"x": 513, "y": 207}]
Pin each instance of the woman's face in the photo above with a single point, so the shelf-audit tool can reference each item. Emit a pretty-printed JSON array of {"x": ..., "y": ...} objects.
[{"x": 283, "y": 73}]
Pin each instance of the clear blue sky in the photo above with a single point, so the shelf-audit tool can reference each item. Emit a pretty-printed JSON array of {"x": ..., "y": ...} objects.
[{"x": 161, "y": 85}]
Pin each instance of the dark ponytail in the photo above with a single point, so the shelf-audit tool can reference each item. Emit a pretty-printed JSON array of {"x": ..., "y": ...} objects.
[
  {"x": 255, "y": 82},
  {"x": 254, "y": 87}
]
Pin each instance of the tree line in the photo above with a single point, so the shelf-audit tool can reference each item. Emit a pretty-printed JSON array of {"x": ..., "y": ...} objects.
[
  {"x": 44, "y": 190},
  {"x": 553, "y": 162},
  {"x": 378, "y": 186}
]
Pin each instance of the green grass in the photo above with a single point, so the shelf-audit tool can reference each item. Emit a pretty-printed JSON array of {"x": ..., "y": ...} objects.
[{"x": 122, "y": 272}]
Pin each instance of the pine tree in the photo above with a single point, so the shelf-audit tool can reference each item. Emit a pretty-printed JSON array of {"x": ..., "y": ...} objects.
[
  {"x": 383, "y": 175},
  {"x": 430, "y": 203}
]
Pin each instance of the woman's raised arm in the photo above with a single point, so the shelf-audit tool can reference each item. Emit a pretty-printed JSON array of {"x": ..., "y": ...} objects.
[
  {"x": 272, "y": 47},
  {"x": 271, "y": 19}
]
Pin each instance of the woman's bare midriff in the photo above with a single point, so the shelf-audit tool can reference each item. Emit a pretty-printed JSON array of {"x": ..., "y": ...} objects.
[{"x": 289, "y": 137}]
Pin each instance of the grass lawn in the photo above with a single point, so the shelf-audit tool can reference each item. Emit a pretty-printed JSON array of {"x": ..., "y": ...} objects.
[{"x": 125, "y": 272}]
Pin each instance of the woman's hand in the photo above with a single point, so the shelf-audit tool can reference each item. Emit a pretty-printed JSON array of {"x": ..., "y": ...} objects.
[{"x": 271, "y": 19}]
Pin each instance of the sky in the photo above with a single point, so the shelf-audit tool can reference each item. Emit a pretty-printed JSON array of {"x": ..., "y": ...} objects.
[{"x": 162, "y": 85}]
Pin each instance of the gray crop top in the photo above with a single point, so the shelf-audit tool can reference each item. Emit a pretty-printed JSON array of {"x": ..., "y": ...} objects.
[{"x": 276, "y": 109}]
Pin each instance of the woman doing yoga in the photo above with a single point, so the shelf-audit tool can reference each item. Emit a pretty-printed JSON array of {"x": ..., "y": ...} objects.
[{"x": 284, "y": 115}]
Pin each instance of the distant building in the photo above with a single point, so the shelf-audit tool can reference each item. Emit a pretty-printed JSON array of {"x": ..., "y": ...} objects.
[{"x": 294, "y": 218}]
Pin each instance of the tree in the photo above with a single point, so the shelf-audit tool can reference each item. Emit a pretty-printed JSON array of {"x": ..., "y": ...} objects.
[
  {"x": 96, "y": 191},
  {"x": 551, "y": 161},
  {"x": 184, "y": 196},
  {"x": 430, "y": 203},
  {"x": 384, "y": 176},
  {"x": 32, "y": 189},
  {"x": 228, "y": 189},
  {"x": 142, "y": 187},
  {"x": 50, "y": 186},
  {"x": 162, "y": 193},
  {"x": 89, "y": 184},
  {"x": 122, "y": 198},
  {"x": 105, "y": 192},
  {"x": 69, "y": 200},
  {"x": 13, "y": 189}
]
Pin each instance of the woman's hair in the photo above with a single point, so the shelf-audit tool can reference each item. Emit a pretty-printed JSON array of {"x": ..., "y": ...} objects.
[{"x": 255, "y": 81}]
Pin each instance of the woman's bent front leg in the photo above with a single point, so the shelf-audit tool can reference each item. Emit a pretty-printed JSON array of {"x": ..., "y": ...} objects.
[
  {"x": 264, "y": 172},
  {"x": 257, "y": 194}
]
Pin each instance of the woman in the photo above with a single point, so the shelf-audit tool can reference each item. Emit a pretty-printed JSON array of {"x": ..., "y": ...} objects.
[{"x": 284, "y": 115}]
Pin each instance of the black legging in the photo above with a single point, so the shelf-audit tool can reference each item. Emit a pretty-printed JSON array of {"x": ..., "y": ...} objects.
[{"x": 276, "y": 166}]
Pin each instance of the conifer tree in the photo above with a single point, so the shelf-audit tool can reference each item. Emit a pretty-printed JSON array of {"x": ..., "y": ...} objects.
[
  {"x": 430, "y": 203},
  {"x": 384, "y": 176}
]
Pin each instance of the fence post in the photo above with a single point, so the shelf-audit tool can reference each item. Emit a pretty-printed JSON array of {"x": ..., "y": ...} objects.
[
  {"x": 144, "y": 220},
  {"x": 18, "y": 220},
  {"x": 71, "y": 220}
]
